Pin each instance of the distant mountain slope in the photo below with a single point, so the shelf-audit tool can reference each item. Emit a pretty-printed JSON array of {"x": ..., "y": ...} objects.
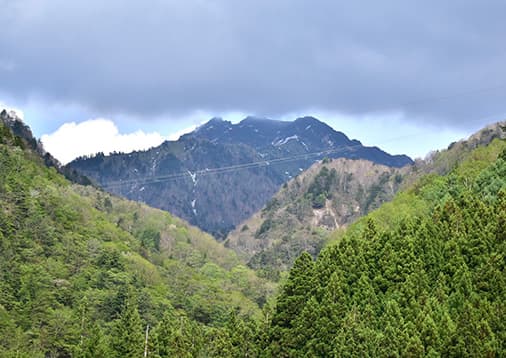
[
  {"x": 74, "y": 260},
  {"x": 327, "y": 196},
  {"x": 330, "y": 195},
  {"x": 442, "y": 162},
  {"x": 256, "y": 157},
  {"x": 284, "y": 138}
]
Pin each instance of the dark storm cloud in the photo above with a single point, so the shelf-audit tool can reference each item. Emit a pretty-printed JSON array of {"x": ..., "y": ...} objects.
[{"x": 267, "y": 57}]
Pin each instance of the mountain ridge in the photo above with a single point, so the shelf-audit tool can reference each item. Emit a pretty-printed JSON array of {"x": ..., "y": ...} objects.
[
  {"x": 332, "y": 194},
  {"x": 25, "y": 139},
  {"x": 266, "y": 153}
]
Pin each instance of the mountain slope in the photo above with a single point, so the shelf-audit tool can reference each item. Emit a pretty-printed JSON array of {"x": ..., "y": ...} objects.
[
  {"x": 327, "y": 196},
  {"x": 256, "y": 157},
  {"x": 330, "y": 195},
  {"x": 24, "y": 135},
  {"x": 82, "y": 273},
  {"x": 75, "y": 260},
  {"x": 423, "y": 275}
]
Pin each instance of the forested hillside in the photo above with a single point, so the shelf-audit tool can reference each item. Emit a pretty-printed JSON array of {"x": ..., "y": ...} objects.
[
  {"x": 329, "y": 195},
  {"x": 24, "y": 134},
  {"x": 86, "y": 274},
  {"x": 422, "y": 276},
  {"x": 332, "y": 194},
  {"x": 82, "y": 273}
]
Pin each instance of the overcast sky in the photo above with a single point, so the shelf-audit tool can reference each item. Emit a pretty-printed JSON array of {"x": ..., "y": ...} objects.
[{"x": 407, "y": 76}]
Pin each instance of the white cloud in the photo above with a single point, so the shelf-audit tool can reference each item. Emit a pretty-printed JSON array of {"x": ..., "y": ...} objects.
[{"x": 72, "y": 140}]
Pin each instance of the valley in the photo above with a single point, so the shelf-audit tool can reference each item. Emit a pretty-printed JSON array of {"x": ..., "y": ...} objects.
[
  {"x": 252, "y": 179},
  {"x": 222, "y": 173},
  {"x": 393, "y": 259}
]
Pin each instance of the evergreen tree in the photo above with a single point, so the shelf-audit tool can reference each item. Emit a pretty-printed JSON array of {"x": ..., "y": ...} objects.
[
  {"x": 163, "y": 335},
  {"x": 93, "y": 345},
  {"x": 128, "y": 338},
  {"x": 330, "y": 316},
  {"x": 177, "y": 336},
  {"x": 296, "y": 291}
]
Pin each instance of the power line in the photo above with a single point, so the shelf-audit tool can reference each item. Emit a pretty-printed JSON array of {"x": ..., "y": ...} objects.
[
  {"x": 221, "y": 170},
  {"x": 250, "y": 165}
]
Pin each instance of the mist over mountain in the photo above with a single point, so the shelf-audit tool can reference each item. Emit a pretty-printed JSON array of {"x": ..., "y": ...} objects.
[{"x": 222, "y": 173}]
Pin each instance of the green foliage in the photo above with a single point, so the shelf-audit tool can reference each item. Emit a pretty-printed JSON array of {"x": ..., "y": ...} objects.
[
  {"x": 319, "y": 190},
  {"x": 177, "y": 336},
  {"x": 266, "y": 226},
  {"x": 82, "y": 273},
  {"x": 290, "y": 304},
  {"x": 319, "y": 201},
  {"x": 430, "y": 282},
  {"x": 150, "y": 239},
  {"x": 127, "y": 339}
]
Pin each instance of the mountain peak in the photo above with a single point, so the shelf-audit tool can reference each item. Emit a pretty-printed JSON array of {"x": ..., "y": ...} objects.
[
  {"x": 216, "y": 121},
  {"x": 312, "y": 121},
  {"x": 17, "y": 126},
  {"x": 308, "y": 119},
  {"x": 212, "y": 123}
]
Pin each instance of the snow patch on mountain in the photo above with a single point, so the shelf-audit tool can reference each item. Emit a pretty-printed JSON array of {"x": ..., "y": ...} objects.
[
  {"x": 194, "y": 177},
  {"x": 280, "y": 142},
  {"x": 193, "y": 206}
]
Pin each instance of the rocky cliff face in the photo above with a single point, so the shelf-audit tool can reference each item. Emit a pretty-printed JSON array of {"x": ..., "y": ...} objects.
[{"x": 222, "y": 173}]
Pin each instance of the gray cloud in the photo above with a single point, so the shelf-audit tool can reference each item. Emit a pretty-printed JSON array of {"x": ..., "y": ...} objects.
[{"x": 264, "y": 57}]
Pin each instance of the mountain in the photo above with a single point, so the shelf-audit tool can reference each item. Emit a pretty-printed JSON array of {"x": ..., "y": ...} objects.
[
  {"x": 304, "y": 136},
  {"x": 83, "y": 272},
  {"x": 330, "y": 195},
  {"x": 87, "y": 274},
  {"x": 222, "y": 173},
  {"x": 421, "y": 276},
  {"x": 11, "y": 123}
]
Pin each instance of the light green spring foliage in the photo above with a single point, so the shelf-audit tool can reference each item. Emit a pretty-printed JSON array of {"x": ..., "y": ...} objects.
[{"x": 81, "y": 271}]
